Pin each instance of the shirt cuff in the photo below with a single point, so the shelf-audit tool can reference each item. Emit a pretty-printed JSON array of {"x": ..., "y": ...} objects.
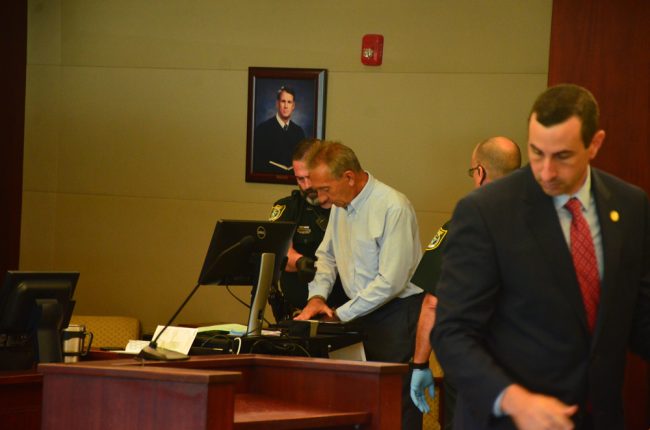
[
  {"x": 317, "y": 290},
  {"x": 343, "y": 312},
  {"x": 496, "y": 408}
]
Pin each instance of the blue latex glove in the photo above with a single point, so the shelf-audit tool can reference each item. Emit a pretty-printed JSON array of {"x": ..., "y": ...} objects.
[{"x": 421, "y": 379}]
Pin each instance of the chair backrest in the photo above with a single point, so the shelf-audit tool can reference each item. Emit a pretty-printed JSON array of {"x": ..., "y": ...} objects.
[{"x": 109, "y": 331}]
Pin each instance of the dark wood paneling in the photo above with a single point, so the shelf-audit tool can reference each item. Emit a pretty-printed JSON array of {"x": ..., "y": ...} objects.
[
  {"x": 13, "y": 49},
  {"x": 204, "y": 392},
  {"x": 20, "y": 400},
  {"x": 603, "y": 45}
]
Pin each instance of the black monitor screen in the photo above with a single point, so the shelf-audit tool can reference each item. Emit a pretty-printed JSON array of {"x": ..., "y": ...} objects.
[
  {"x": 37, "y": 306},
  {"x": 227, "y": 263}
]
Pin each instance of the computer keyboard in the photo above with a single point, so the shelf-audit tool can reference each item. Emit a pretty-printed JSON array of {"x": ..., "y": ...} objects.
[{"x": 304, "y": 328}]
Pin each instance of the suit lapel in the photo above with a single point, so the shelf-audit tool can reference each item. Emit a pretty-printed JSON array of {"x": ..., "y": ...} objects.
[
  {"x": 608, "y": 216},
  {"x": 543, "y": 222}
]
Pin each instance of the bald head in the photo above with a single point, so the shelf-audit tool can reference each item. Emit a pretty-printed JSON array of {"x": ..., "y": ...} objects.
[{"x": 498, "y": 156}]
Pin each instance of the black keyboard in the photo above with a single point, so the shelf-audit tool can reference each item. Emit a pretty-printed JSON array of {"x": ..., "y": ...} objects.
[{"x": 303, "y": 328}]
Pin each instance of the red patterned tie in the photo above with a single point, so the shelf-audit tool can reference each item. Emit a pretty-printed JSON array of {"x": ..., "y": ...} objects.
[{"x": 584, "y": 260}]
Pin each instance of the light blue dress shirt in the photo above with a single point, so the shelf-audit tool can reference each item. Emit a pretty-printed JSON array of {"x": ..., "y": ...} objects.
[{"x": 374, "y": 245}]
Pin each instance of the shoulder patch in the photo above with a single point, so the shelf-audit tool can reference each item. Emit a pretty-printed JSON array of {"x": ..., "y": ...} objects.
[
  {"x": 277, "y": 212},
  {"x": 437, "y": 239}
]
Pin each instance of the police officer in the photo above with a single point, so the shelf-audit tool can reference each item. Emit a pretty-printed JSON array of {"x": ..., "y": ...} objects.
[
  {"x": 310, "y": 216},
  {"x": 426, "y": 277},
  {"x": 491, "y": 159}
]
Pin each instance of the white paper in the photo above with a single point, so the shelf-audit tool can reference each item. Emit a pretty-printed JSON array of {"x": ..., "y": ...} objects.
[
  {"x": 234, "y": 329},
  {"x": 135, "y": 346},
  {"x": 177, "y": 339},
  {"x": 271, "y": 332}
]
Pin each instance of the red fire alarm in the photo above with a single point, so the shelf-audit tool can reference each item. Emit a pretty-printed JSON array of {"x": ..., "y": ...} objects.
[{"x": 372, "y": 47}]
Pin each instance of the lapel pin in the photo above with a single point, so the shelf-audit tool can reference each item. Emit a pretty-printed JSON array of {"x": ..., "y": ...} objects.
[{"x": 614, "y": 216}]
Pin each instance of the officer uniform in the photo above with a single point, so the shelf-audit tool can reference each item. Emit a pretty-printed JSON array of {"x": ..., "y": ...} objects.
[
  {"x": 428, "y": 271},
  {"x": 426, "y": 277},
  {"x": 311, "y": 222}
]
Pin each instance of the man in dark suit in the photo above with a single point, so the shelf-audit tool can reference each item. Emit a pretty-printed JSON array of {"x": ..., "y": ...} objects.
[
  {"x": 275, "y": 139},
  {"x": 538, "y": 301}
]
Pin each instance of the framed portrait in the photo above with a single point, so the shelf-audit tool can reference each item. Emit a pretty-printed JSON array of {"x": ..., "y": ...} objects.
[{"x": 285, "y": 106}]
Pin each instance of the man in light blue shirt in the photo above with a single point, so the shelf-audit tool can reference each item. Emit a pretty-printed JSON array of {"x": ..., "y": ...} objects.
[{"x": 372, "y": 242}]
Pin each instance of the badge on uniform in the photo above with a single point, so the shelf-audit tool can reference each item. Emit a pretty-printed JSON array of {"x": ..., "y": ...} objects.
[
  {"x": 321, "y": 222},
  {"x": 304, "y": 229},
  {"x": 437, "y": 239},
  {"x": 277, "y": 212}
]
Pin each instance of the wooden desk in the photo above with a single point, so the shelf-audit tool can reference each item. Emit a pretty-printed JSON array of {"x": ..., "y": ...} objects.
[
  {"x": 21, "y": 394},
  {"x": 20, "y": 399},
  {"x": 245, "y": 392}
]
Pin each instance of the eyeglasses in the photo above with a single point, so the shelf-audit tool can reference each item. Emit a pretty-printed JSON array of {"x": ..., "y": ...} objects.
[{"x": 470, "y": 172}]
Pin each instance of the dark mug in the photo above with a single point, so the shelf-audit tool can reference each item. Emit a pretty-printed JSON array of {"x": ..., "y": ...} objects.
[{"x": 74, "y": 339}]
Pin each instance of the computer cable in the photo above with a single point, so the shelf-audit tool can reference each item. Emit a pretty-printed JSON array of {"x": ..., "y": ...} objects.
[
  {"x": 243, "y": 303},
  {"x": 238, "y": 340},
  {"x": 217, "y": 336},
  {"x": 282, "y": 348}
]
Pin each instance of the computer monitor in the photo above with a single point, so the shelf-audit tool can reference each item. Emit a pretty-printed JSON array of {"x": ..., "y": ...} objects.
[
  {"x": 35, "y": 307},
  {"x": 238, "y": 252},
  {"x": 240, "y": 267}
]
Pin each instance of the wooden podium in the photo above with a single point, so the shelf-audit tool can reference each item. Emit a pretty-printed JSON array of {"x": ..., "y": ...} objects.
[
  {"x": 20, "y": 399},
  {"x": 222, "y": 392}
]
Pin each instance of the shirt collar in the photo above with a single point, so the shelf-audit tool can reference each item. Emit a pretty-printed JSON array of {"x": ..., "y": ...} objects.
[
  {"x": 359, "y": 200},
  {"x": 583, "y": 194},
  {"x": 282, "y": 124}
]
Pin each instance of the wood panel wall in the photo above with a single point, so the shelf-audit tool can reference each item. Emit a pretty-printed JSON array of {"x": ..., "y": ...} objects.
[
  {"x": 13, "y": 49},
  {"x": 603, "y": 45}
]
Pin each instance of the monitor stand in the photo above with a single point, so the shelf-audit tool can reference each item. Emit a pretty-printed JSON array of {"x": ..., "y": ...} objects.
[
  {"x": 256, "y": 316},
  {"x": 48, "y": 333}
]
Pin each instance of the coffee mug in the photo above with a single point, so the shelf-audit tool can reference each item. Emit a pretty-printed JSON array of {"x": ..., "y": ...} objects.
[{"x": 74, "y": 338}]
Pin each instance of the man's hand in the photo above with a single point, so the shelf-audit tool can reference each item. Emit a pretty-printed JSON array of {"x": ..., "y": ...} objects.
[
  {"x": 315, "y": 306},
  {"x": 536, "y": 411},
  {"x": 333, "y": 318},
  {"x": 421, "y": 379}
]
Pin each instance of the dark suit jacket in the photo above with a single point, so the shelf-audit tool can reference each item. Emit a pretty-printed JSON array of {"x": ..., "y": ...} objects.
[
  {"x": 510, "y": 308},
  {"x": 272, "y": 143}
]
